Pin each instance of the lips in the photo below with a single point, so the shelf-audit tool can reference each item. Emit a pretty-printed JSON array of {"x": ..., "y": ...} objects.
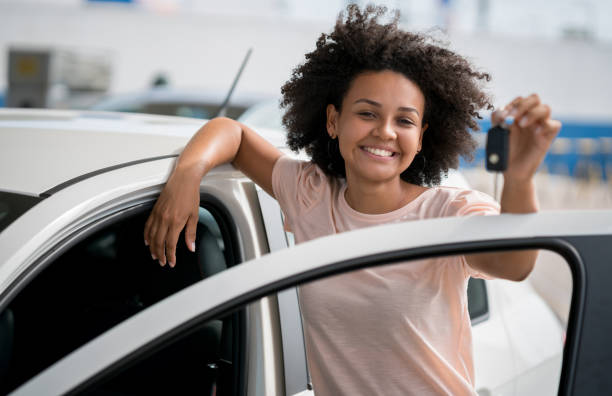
[{"x": 380, "y": 152}]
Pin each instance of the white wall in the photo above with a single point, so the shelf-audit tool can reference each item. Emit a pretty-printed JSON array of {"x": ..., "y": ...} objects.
[{"x": 205, "y": 50}]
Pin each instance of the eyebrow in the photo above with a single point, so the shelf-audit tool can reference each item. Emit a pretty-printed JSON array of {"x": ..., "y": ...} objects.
[{"x": 373, "y": 103}]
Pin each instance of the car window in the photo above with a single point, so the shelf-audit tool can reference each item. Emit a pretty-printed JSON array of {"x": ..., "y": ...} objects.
[
  {"x": 517, "y": 331},
  {"x": 13, "y": 205},
  {"x": 517, "y": 350},
  {"x": 181, "y": 109},
  {"x": 98, "y": 282},
  {"x": 478, "y": 305},
  {"x": 195, "y": 110}
]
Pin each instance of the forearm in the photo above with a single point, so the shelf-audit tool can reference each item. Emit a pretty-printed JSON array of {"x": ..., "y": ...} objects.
[
  {"x": 518, "y": 196},
  {"x": 216, "y": 143},
  {"x": 511, "y": 265}
]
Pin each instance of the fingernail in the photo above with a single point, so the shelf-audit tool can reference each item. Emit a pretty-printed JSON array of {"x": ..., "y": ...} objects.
[
  {"x": 146, "y": 242},
  {"x": 538, "y": 129},
  {"x": 193, "y": 247},
  {"x": 153, "y": 256},
  {"x": 512, "y": 112},
  {"x": 161, "y": 263},
  {"x": 171, "y": 264},
  {"x": 523, "y": 122}
]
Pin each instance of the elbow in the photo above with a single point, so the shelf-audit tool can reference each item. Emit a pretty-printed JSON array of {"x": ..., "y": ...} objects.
[
  {"x": 222, "y": 120},
  {"x": 523, "y": 273}
]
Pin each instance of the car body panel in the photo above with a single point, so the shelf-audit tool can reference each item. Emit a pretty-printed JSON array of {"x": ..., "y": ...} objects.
[
  {"x": 309, "y": 260},
  {"x": 92, "y": 141}
]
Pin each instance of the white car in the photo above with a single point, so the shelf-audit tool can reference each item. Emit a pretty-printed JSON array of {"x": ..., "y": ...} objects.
[
  {"x": 84, "y": 308},
  {"x": 196, "y": 103}
]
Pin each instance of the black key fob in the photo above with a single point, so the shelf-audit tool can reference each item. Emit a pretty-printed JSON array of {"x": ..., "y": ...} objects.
[{"x": 497, "y": 149}]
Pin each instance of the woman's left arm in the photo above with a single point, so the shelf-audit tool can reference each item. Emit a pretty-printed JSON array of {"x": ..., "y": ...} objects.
[{"x": 531, "y": 134}]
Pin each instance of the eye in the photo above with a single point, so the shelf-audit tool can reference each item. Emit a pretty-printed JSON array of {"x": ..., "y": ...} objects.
[
  {"x": 367, "y": 114},
  {"x": 406, "y": 121}
]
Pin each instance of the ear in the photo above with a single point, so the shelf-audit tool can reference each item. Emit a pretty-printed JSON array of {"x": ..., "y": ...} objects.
[
  {"x": 332, "y": 118},
  {"x": 421, "y": 137}
]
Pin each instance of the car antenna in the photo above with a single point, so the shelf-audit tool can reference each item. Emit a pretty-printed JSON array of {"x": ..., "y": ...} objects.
[{"x": 222, "y": 110}]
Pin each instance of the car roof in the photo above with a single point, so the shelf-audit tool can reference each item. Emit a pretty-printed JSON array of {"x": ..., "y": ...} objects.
[{"x": 43, "y": 149}]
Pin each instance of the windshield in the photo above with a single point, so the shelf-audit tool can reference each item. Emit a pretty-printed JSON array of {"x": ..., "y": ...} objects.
[{"x": 13, "y": 205}]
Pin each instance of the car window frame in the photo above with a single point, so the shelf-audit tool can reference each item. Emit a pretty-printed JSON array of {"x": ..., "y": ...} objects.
[{"x": 21, "y": 202}]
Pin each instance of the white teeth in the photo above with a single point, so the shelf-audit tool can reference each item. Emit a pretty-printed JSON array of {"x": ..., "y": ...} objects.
[{"x": 379, "y": 152}]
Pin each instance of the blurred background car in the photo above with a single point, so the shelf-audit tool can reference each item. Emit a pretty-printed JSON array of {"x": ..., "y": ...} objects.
[{"x": 166, "y": 100}]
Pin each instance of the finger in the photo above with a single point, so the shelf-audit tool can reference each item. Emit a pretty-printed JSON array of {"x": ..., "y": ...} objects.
[
  {"x": 147, "y": 229},
  {"x": 498, "y": 116},
  {"x": 513, "y": 105},
  {"x": 550, "y": 128},
  {"x": 159, "y": 244},
  {"x": 190, "y": 231},
  {"x": 152, "y": 232},
  {"x": 536, "y": 115},
  {"x": 171, "y": 240},
  {"x": 523, "y": 106}
]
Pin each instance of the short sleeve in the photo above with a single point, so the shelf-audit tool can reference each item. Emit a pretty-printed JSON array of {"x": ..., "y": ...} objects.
[
  {"x": 297, "y": 186},
  {"x": 471, "y": 202}
]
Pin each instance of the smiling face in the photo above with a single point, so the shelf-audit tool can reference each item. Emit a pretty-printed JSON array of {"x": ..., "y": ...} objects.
[{"x": 379, "y": 128}]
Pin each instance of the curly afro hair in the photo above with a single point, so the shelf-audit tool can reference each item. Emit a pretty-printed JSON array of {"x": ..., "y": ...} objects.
[{"x": 361, "y": 43}]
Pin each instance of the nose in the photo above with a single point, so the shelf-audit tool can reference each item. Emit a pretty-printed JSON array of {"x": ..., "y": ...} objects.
[{"x": 385, "y": 130}]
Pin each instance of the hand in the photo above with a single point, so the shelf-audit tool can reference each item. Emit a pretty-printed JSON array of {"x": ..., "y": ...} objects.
[
  {"x": 531, "y": 134},
  {"x": 176, "y": 208}
]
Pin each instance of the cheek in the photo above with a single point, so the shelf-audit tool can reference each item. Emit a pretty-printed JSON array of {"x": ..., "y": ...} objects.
[{"x": 343, "y": 150}]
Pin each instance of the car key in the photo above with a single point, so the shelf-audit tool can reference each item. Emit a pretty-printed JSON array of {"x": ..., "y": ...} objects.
[{"x": 497, "y": 148}]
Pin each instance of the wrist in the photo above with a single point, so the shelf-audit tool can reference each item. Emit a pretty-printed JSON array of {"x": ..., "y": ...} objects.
[
  {"x": 519, "y": 196},
  {"x": 190, "y": 170},
  {"x": 519, "y": 184}
]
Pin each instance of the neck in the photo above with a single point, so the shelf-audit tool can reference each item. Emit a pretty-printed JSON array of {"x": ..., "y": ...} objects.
[{"x": 380, "y": 197}]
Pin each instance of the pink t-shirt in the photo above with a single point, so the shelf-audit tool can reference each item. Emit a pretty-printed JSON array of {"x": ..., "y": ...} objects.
[{"x": 393, "y": 330}]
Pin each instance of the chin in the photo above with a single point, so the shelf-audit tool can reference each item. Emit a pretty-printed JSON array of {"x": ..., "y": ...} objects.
[{"x": 381, "y": 177}]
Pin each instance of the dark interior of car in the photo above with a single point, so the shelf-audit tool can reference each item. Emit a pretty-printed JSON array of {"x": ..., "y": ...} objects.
[{"x": 101, "y": 281}]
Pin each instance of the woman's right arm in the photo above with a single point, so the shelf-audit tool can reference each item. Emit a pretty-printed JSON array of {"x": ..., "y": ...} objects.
[{"x": 219, "y": 141}]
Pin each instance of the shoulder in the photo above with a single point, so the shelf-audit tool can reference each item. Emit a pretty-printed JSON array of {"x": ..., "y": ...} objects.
[
  {"x": 307, "y": 174},
  {"x": 299, "y": 183}
]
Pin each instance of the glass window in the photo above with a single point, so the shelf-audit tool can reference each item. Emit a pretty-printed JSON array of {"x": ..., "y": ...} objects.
[
  {"x": 13, "y": 205},
  {"x": 417, "y": 309},
  {"x": 478, "y": 306}
]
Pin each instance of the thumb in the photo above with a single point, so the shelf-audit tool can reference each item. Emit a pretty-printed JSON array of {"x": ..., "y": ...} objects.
[{"x": 190, "y": 231}]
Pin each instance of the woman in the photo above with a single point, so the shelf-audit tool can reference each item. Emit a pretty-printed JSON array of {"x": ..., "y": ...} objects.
[{"x": 383, "y": 114}]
